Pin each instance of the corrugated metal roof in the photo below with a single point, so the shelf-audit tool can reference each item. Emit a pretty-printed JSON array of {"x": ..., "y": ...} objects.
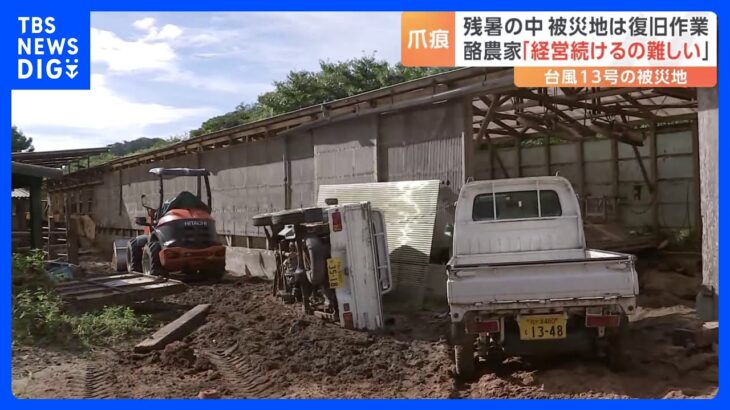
[
  {"x": 37, "y": 171},
  {"x": 56, "y": 159},
  {"x": 409, "y": 209},
  {"x": 20, "y": 193}
]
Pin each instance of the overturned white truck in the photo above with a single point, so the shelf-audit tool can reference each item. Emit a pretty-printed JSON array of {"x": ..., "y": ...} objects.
[
  {"x": 521, "y": 280},
  {"x": 333, "y": 260}
]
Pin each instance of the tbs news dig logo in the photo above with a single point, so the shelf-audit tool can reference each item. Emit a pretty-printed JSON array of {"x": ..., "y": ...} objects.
[{"x": 43, "y": 55}]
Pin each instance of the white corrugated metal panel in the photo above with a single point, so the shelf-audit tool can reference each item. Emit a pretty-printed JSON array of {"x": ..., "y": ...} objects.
[
  {"x": 409, "y": 208},
  {"x": 20, "y": 193}
]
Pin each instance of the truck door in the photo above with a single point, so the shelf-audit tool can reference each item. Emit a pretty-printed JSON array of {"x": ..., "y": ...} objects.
[{"x": 353, "y": 268}]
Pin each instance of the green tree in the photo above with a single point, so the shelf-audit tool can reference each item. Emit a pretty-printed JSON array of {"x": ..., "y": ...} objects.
[
  {"x": 337, "y": 80},
  {"x": 20, "y": 142}
]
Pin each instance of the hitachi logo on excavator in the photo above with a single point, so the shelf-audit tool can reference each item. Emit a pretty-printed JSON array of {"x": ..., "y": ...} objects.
[{"x": 195, "y": 223}]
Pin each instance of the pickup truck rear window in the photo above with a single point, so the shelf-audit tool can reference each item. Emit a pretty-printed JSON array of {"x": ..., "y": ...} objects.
[{"x": 516, "y": 205}]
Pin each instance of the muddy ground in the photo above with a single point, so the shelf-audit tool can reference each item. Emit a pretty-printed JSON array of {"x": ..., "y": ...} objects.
[{"x": 254, "y": 346}]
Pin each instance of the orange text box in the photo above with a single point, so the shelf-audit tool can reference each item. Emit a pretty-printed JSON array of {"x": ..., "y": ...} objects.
[
  {"x": 427, "y": 39},
  {"x": 615, "y": 76}
]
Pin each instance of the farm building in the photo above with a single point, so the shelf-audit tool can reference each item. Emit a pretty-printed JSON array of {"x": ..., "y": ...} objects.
[{"x": 632, "y": 155}]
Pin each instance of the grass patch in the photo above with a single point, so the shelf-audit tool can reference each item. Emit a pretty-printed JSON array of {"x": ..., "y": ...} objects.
[
  {"x": 39, "y": 318},
  {"x": 111, "y": 325},
  {"x": 29, "y": 271}
]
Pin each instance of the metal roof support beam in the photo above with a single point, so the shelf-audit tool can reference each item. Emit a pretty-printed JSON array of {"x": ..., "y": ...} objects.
[
  {"x": 575, "y": 103},
  {"x": 581, "y": 128}
]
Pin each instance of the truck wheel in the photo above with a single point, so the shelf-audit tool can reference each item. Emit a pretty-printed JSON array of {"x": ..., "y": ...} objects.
[
  {"x": 289, "y": 217},
  {"x": 134, "y": 253},
  {"x": 120, "y": 256},
  {"x": 616, "y": 350},
  {"x": 464, "y": 358},
  {"x": 262, "y": 220},
  {"x": 151, "y": 264}
]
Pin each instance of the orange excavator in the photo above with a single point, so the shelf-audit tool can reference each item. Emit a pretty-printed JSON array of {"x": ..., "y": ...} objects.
[{"x": 179, "y": 234}]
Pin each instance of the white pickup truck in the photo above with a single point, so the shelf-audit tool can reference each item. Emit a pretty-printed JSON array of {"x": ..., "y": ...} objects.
[{"x": 522, "y": 282}]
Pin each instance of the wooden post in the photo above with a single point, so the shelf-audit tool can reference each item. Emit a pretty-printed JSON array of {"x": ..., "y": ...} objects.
[
  {"x": 494, "y": 102},
  {"x": 121, "y": 193},
  {"x": 174, "y": 330},
  {"x": 518, "y": 153},
  {"x": 36, "y": 214},
  {"x": 649, "y": 181},
  {"x": 654, "y": 176},
  {"x": 697, "y": 226},
  {"x": 51, "y": 227},
  {"x": 581, "y": 169},
  {"x": 72, "y": 234},
  {"x": 376, "y": 147},
  {"x": 614, "y": 169},
  {"x": 492, "y": 160},
  {"x": 547, "y": 154},
  {"x": 467, "y": 143},
  {"x": 287, "y": 175}
]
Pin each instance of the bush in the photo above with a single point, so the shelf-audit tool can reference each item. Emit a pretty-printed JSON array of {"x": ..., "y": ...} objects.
[
  {"x": 38, "y": 317},
  {"x": 111, "y": 325},
  {"x": 29, "y": 271}
]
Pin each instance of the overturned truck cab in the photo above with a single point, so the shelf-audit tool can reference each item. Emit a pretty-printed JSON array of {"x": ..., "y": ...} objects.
[{"x": 332, "y": 260}]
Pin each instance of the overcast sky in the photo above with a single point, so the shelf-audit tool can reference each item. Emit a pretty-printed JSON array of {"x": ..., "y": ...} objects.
[{"x": 162, "y": 74}]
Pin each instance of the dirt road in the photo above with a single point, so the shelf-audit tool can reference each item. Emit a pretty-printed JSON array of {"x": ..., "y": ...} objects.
[{"x": 252, "y": 345}]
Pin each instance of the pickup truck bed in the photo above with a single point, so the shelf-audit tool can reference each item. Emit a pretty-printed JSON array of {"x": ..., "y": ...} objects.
[{"x": 537, "y": 281}]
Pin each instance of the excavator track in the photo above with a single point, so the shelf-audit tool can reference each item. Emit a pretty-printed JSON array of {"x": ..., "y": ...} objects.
[
  {"x": 242, "y": 378},
  {"x": 99, "y": 383}
]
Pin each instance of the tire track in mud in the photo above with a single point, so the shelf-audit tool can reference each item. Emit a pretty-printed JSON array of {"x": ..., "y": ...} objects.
[
  {"x": 242, "y": 378},
  {"x": 99, "y": 383}
]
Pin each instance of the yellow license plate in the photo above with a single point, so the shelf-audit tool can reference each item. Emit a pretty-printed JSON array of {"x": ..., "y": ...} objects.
[
  {"x": 335, "y": 272},
  {"x": 542, "y": 327}
]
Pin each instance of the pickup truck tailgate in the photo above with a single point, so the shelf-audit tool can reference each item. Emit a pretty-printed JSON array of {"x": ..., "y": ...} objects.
[{"x": 600, "y": 274}]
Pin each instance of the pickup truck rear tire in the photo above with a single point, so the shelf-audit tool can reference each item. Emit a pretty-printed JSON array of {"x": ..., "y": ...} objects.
[{"x": 464, "y": 358}]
